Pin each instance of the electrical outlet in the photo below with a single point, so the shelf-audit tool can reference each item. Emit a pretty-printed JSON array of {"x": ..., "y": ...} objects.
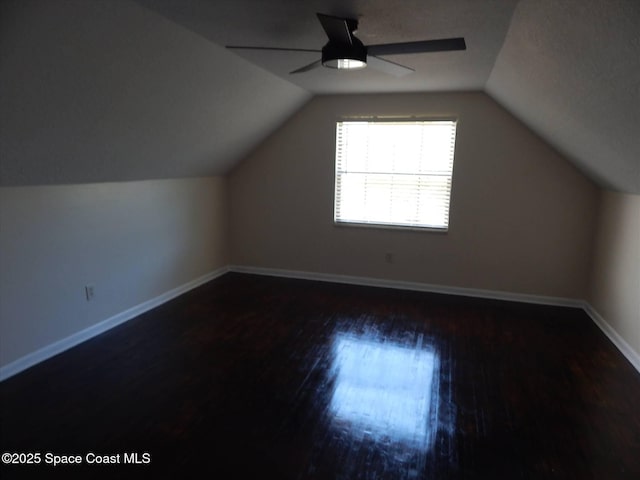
[
  {"x": 89, "y": 291},
  {"x": 388, "y": 257}
]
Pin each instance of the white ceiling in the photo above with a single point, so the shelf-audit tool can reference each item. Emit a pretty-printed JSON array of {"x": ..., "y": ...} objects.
[
  {"x": 569, "y": 69},
  {"x": 101, "y": 90},
  {"x": 106, "y": 90},
  {"x": 293, "y": 24}
]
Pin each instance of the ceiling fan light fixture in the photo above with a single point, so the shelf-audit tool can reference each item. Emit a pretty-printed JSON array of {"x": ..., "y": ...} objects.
[
  {"x": 345, "y": 63},
  {"x": 345, "y": 57}
]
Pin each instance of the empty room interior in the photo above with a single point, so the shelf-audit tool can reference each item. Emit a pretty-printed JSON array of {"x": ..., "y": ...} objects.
[{"x": 320, "y": 240}]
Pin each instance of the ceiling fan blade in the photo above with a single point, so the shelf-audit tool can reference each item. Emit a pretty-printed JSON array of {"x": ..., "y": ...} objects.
[
  {"x": 388, "y": 67},
  {"x": 306, "y": 68},
  {"x": 275, "y": 49},
  {"x": 336, "y": 28},
  {"x": 425, "y": 46}
]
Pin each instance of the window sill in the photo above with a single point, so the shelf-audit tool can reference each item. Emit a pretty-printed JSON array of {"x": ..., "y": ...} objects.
[{"x": 384, "y": 226}]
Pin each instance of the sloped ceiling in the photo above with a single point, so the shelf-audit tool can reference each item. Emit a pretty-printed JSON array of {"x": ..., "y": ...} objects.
[
  {"x": 146, "y": 90},
  {"x": 571, "y": 70},
  {"x": 293, "y": 24},
  {"x": 95, "y": 91}
]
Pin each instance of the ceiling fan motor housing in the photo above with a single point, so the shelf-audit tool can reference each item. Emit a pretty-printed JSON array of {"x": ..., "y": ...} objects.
[{"x": 334, "y": 54}]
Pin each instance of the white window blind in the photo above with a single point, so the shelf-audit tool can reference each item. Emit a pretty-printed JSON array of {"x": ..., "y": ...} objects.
[{"x": 394, "y": 173}]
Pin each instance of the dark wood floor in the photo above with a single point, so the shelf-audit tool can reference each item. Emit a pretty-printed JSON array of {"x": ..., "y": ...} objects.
[{"x": 259, "y": 377}]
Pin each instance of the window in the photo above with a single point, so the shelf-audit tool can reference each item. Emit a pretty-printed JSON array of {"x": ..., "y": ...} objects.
[{"x": 394, "y": 173}]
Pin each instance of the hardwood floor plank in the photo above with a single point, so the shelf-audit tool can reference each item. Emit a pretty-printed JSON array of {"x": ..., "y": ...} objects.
[{"x": 262, "y": 377}]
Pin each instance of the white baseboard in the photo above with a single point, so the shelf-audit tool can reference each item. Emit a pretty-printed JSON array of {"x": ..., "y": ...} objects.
[
  {"x": 60, "y": 346},
  {"x": 416, "y": 286},
  {"x": 608, "y": 330},
  {"x": 620, "y": 343}
]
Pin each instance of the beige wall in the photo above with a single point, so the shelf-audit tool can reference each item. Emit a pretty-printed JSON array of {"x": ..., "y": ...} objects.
[
  {"x": 615, "y": 279},
  {"x": 132, "y": 240},
  {"x": 522, "y": 218}
]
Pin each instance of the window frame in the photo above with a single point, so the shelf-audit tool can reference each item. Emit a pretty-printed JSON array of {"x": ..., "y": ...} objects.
[{"x": 394, "y": 119}]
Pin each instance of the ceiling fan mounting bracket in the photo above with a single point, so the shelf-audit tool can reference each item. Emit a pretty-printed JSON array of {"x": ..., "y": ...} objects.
[{"x": 352, "y": 24}]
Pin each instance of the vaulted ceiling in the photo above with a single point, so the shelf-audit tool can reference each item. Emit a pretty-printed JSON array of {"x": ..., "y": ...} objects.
[
  {"x": 293, "y": 24},
  {"x": 569, "y": 69}
]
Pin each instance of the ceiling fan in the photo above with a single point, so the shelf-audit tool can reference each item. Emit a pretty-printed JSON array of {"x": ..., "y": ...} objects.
[{"x": 344, "y": 51}]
